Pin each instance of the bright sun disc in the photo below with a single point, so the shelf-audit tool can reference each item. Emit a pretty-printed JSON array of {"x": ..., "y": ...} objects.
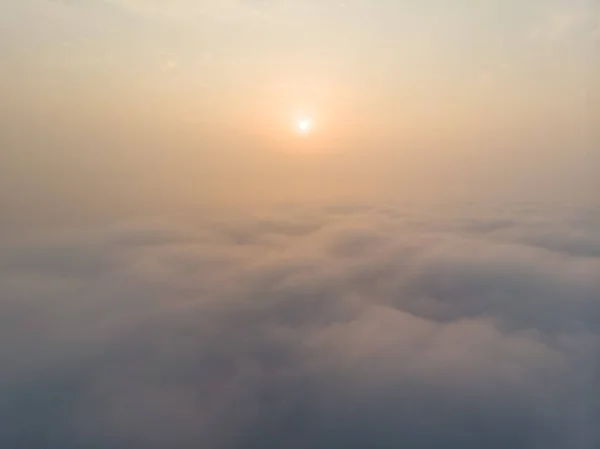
[{"x": 304, "y": 125}]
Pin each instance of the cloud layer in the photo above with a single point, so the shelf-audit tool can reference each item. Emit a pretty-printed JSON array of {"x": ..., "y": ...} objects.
[{"x": 334, "y": 326}]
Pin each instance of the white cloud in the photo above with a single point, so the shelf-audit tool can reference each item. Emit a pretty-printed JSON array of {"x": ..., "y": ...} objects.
[{"x": 324, "y": 326}]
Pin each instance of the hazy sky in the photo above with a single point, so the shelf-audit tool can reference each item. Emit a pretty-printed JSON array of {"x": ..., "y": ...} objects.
[
  {"x": 186, "y": 100},
  {"x": 299, "y": 224}
]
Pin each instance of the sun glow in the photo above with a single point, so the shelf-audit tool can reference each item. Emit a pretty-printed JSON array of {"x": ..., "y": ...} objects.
[{"x": 304, "y": 125}]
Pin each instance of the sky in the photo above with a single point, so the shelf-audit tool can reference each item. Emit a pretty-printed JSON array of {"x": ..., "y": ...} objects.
[
  {"x": 145, "y": 101},
  {"x": 294, "y": 224}
]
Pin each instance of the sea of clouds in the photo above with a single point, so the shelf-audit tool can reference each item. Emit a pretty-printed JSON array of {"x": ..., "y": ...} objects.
[{"x": 338, "y": 325}]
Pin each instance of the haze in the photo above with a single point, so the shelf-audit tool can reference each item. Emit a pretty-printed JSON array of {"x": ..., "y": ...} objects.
[
  {"x": 256, "y": 224},
  {"x": 140, "y": 101}
]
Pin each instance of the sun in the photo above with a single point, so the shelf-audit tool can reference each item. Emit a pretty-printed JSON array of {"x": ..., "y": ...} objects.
[{"x": 304, "y": 125}]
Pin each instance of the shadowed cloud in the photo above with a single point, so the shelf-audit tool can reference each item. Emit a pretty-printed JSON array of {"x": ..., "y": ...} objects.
[{"x": 326, "y": 327}]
